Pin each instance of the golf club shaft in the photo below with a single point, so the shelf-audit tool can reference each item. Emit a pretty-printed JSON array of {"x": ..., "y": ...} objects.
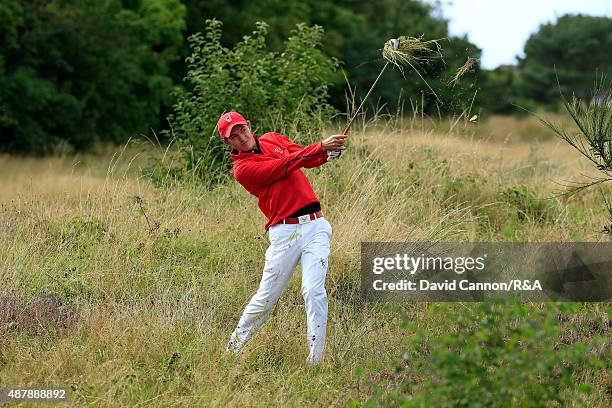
[{"x": 348, "y": 126}]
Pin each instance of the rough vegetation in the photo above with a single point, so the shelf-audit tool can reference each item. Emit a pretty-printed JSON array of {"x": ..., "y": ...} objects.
[{"x": 124, "y": 309}]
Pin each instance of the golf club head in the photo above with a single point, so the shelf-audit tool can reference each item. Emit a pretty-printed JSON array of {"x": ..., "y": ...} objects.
[{"x": 394, "y": 43}]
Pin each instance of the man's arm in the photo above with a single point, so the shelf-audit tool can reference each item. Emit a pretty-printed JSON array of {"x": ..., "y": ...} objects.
[
  {"x": 289, "y": 144},
  {"x": 309, "y": 162},
  {"x": 256, "y": 174}
]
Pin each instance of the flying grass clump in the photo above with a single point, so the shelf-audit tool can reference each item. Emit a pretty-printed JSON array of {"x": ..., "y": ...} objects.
[
  {"x": 467, "y": 67},
  {"x": 400, "y": 52},
  {"x": 411, "y": 51}
]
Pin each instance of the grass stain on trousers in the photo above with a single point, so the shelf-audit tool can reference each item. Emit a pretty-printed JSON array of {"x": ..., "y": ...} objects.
[{"x": 290, "y": 243}]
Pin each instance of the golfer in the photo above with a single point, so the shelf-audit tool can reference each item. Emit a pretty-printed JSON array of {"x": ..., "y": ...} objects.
[{"x": 269, "y": 168}]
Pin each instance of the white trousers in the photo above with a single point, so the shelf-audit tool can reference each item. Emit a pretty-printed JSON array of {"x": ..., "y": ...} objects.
[{"x": 289, "y": 243}]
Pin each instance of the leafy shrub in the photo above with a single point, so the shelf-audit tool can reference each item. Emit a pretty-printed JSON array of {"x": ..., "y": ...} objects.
[
  {"x": 464, "y": 189},
  {"x": 527, "y": 206},
  {"x": 75, "y": 73},
  {"x": 499, "y": 354},
  {"x": 285, "y": 92}
]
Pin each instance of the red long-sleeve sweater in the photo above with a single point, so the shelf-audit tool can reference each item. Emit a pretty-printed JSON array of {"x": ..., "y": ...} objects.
[{"x": 275, "y": 178}]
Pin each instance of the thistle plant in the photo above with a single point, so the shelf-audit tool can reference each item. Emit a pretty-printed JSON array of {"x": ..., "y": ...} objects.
[{"x": 594, "y": 139}]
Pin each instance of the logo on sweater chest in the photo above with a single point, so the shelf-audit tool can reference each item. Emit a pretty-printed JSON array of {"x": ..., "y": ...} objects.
[{"x": 278, "y": 150}]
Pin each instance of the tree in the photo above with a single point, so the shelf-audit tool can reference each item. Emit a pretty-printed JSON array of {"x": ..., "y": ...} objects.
[
  {"x": 496, "y": 90},
  {"x": 576, "y": 46},
  {"x": 284, "y": 92},
  {"x": 76, "y": 72},
  {"x": 355, "y": 32}
]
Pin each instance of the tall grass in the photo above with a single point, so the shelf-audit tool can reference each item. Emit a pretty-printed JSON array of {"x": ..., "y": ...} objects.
[{"x": 151, "y": 308}]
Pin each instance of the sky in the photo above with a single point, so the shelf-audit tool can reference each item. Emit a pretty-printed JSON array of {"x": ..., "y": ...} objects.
[{"x": 501, "y": 27}]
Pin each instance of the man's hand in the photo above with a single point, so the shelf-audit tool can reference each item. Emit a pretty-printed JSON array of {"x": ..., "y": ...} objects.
[{"x": 334, "y": 142}]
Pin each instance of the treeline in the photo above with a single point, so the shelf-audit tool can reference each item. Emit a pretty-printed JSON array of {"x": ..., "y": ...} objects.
[
  {"x": 75, "y": 72},
  {"x": 569, "y": 55}
]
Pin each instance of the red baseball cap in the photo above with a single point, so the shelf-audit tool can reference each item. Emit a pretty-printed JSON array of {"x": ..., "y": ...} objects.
[{"x": 227, "y": 121}]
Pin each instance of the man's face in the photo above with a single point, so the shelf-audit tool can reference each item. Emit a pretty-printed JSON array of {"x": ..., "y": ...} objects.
[{"x": 241, "y": 138}]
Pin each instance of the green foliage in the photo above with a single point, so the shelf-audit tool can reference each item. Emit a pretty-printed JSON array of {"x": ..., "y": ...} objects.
[
  {"x": 75, "y": 72},
  {"x": 594, "y": 140},
  {"x": 526, "y": 205},
  {"x": 497, "y": 92},
  {"x": 577, "y": 46},
  {"x": 76, "y": 233},
  {"x": 497, "y": 354},
  {"x": 512, "y": 206},
  {"x": 458, "y": 191},
  {"x": 594, "y": 120},
  {"x": 355, "y": 32},
  {"x": 458, "y": 98},
  {"x": 412, "y": 18},
  {"x": 285, "y": 92}
]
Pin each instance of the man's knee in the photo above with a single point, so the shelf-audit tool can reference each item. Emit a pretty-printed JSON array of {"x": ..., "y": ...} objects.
[
  {"x": 314, "y": 294},
  {"x": 264, "y": 302}
]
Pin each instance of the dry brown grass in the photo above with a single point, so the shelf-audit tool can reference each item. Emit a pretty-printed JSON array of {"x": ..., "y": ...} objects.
[{"x": 76, "y": 231}]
